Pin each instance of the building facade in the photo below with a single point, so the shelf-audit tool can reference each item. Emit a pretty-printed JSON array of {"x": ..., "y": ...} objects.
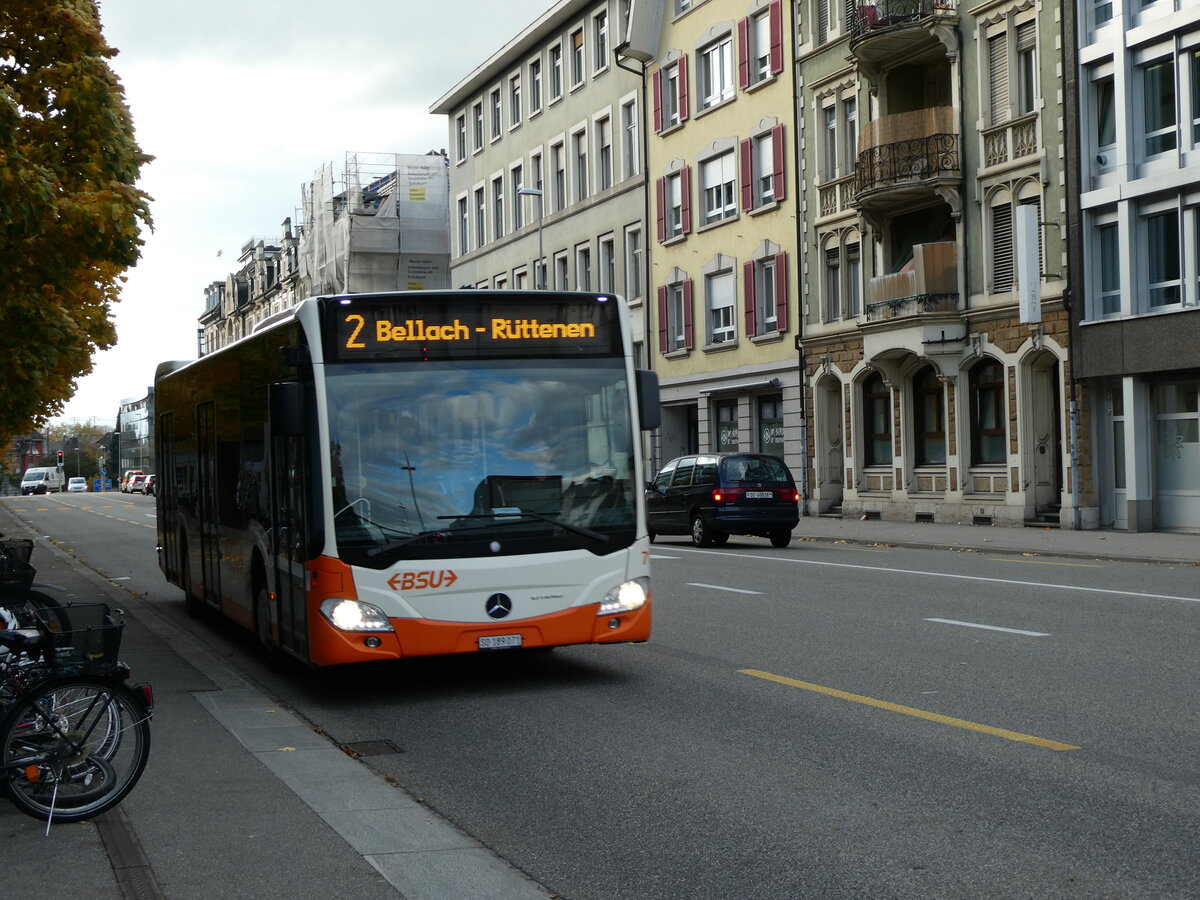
[
  {"x": 1135, "y": 252},
  {"x": 547, "y": 174},
  {"x": 934, "y": 328},
  {"x": 381, "y": 225},
  {"x": 723, "y": 189}
]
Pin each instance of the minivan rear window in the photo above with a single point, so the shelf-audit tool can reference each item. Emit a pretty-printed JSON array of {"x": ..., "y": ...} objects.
[{"x": 755, "y": 469}]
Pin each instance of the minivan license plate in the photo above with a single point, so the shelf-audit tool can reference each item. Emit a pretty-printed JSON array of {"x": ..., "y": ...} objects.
[
  {"x": 759, "y": 495},
  {"x": 499, "y": 641}
]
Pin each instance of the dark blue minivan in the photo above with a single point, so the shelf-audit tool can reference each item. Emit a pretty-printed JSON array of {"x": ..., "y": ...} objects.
[{"x": 713, "y": 495}]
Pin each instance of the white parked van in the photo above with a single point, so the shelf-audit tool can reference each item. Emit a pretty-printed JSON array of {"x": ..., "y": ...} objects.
[{"x": 43, "y": 481}]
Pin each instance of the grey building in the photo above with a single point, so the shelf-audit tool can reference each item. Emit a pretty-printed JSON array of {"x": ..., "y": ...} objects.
[{"x": 547, "y": 173}]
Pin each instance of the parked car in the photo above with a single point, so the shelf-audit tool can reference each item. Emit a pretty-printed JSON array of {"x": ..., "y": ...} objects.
[
  {"x": 136, "y": 484},
  {"x": 129, "y": 473},
  {"x": 148, "y": 486},
  {"x": 713, "y": 495},
  {"x": 43, "y": 480},
  {"x": 77, "y": 485}
]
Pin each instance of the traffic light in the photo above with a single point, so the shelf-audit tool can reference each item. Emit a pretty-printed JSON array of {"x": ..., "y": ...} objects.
[{"x": 60, "y": 459}]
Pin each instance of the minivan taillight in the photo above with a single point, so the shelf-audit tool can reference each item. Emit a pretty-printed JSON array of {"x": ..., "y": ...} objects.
[{"x": 726, "y": 494}]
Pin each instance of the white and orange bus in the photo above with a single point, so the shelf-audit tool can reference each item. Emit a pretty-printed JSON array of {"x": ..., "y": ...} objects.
[{"x": 379, "y": 476}]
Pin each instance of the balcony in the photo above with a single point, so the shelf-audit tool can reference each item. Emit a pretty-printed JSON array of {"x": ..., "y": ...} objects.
[
  {"x": 927, "y": 284},
  {"x": 887, "y": 29},
  {"x": 912, "y": 153},
  {"x": 1010, "y": 141}
]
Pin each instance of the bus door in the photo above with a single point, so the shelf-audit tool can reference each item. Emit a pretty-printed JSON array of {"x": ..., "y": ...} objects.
[
  {"x": 290, "y": 475},
  {"x": 206, "y": 502},
  {"x": 166, "y": 496}
]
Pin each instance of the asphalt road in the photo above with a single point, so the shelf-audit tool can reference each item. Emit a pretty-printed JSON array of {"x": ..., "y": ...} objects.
[{"x": 821, "y": 721}]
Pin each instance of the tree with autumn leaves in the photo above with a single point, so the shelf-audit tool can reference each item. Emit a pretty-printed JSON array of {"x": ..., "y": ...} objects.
[{"x": 70, "y": 212}]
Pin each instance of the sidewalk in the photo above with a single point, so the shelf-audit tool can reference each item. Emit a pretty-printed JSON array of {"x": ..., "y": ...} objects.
[
  {"x": 1151, "y": 547},
  {"x": 240, "y": 798},
  {"x": 243, "y": 799}
]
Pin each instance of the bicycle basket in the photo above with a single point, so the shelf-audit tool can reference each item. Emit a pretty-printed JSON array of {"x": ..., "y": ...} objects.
[
  {"x": 85, "y": 638},
  {"x": 18, "y": 548},
  {"x": 16, "y": 578}
]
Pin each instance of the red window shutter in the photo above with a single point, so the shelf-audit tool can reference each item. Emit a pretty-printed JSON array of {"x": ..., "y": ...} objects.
[
  {"x": 683, "y": 88},
  {"x": 751, "y": 312},
  {"x": 781, "y": 292},
  {"x": 662, "y": 319},
  {"x": 747, "y": 174},
  {"x": 743, "y": 38},
  {"x": 778, "y": 161},
  {"x": 685, "y": 192},
  {"x": 776, "y": 26},
  {"x": 688, "y": 340},
  {"x": 657, "y": 82},
  {"x": 660, "y": 191}
]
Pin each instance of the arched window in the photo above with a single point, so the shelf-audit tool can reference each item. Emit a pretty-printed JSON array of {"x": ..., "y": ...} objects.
[
  {"x": 929, "y": 419},
  {"x": 877, "y": 421},
  {"x": 987, "y": 413}
]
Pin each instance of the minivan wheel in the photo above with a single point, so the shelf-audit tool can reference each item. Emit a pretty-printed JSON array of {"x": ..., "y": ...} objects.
[
  {"x": 781, "y": 538},
  {"x": 702, "y": 535}
]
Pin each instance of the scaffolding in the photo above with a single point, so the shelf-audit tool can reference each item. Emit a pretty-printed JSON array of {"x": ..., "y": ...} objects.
[{"x": 384, "y": 226}]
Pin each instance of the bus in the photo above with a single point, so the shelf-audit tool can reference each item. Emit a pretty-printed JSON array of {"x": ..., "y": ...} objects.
[{"x": 380, "y": 476}]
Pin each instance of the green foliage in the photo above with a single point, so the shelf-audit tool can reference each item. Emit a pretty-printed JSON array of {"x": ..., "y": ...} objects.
[{"x": 70, "y": 214}]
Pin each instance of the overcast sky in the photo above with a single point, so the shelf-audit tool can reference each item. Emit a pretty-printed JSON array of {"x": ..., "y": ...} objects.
[{"x": 240, "y": 102}]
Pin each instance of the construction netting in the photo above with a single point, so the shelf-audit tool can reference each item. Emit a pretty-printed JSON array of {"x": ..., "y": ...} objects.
[{"x": 385, "y": 225}]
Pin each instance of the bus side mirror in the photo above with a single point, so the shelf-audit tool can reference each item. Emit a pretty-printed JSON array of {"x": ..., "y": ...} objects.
[
  {"x": 287, "y": 408},
  {"x": 649, "y": 407}
]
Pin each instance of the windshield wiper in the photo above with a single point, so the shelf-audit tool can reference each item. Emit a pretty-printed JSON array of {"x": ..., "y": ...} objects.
[
  {"x": 422, "y": 535},
  {"x": 491, "y": 517},
  {"x": 577, "y": 529}
]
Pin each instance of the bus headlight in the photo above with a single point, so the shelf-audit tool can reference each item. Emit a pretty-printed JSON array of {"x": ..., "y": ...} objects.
[
  {"x": 625, "y": 597},
  {"x": 354, "y": 615}
]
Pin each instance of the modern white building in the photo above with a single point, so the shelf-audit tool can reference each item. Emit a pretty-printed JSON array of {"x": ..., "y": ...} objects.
[{"x": 1135, "y": 252}]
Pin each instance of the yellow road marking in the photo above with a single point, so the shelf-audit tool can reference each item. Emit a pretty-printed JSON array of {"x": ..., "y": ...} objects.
[{"x": 911, "y": 711}]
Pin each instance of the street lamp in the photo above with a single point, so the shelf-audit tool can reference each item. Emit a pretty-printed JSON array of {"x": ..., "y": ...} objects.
[{"x": 541, "y": 265}]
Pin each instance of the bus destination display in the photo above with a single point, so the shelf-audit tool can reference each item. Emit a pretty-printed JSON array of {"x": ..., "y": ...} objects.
[{"x": 374, "y": 328}]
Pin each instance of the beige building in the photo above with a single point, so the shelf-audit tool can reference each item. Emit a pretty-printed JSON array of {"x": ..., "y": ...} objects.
[
  {"x": 935, "y": 335},
  {"x": 547, "y": 174},
  {"x": 722, "y": 183}
]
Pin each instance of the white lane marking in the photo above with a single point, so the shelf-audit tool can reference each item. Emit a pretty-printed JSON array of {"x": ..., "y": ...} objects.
[
  {"x": 720, "y": 587},
  {"x": 1038, "y": 584},
  {"x": 662, "y": 556},
  {"x": 122, "y": 578},
  {"x": 991, "y": 627}
]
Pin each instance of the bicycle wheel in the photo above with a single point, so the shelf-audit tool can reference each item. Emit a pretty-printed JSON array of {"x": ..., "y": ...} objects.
[{"x": 73, "y": 747}]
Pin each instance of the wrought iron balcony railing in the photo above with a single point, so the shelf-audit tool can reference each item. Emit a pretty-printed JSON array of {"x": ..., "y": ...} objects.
[
  {"x": 912, "y": 159},
  {"x": 879, "y": 15}
]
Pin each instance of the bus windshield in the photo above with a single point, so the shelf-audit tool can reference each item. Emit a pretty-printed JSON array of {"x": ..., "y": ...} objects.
[{"x": 479, "y": 458}]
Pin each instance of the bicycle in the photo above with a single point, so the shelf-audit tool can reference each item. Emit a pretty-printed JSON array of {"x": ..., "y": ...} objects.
[{"x": 74, "y": 735}]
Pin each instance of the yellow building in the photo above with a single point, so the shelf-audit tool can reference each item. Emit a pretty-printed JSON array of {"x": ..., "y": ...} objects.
[{"x": 723, "y": 224}]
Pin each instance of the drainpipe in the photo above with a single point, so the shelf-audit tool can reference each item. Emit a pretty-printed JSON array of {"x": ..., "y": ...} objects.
[
  {"x": 803, "y": 429},
  {"x": 801, "y": 267}
]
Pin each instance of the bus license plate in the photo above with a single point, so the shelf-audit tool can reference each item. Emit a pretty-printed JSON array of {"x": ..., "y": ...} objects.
[
  {"x": 499, "y": 641},
  {"x": 759, "y": 495}
]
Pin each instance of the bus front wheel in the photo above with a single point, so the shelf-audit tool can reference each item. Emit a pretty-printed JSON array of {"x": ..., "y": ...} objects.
[{"x": 276, "y": 658}]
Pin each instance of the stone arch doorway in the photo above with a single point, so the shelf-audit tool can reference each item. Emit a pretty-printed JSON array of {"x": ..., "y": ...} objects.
[
  {"x": 830, "y": 443},
  {"x": 1044, "y": 447}
]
